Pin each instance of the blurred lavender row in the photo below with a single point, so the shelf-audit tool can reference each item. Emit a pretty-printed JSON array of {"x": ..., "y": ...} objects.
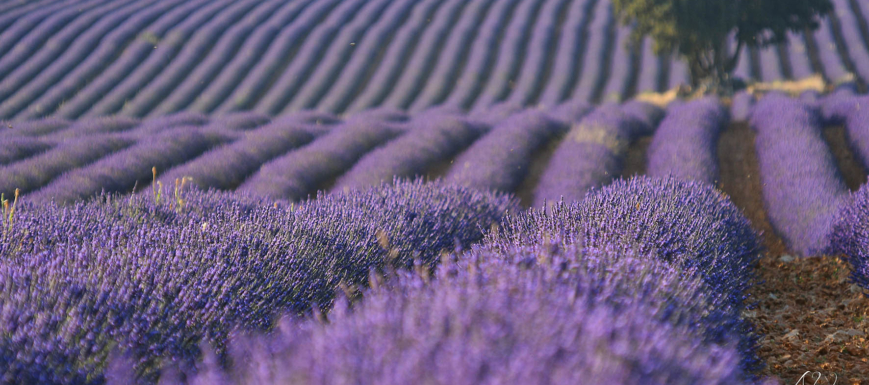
[
  {"x": 685, "y": 144},
  {"x": 802, "y": 185}
]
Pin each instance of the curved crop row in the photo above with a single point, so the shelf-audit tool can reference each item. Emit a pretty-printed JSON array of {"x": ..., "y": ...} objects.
[
  {"x": 35, "y": 172},
  {"x": 301, "y": 172},
  {"x": 500, "y": 159},
  {"x": 227, "y": 167},
  {"x": 443, "y": 75},
  {"x": 589, "y": 156},
  {"x": 433, "y": 138},
  {"x": 115, "y": 74},
  {"x": 125, "y": 169},
  {"x": 685, "y": 143},
  {"x": 802, "y": 186},
  {"x": 518, "y": 311},
  {"x": 143, "y": 58}
]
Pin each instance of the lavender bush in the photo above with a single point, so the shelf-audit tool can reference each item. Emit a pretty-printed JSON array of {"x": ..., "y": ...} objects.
[
  {"x": 802, "y": 187},
  {"x": 556, "y": 316},
  {"x": 500, "y": 159},
  {"x": 589, "y": 156},
  {"x": 431, "y": 139},
  {"x": 152, "y": 277},
  {"x": 850, "y": 236},
  {"x": 299, "y": 173},
  {"x": 685, "y": 144}
]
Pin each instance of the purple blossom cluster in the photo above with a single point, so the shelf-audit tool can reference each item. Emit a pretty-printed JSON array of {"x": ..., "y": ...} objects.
[
  {"x": 15, "y": 149},
  {"x": 592, "y": 152},
  {"x": 802, "y": 188},
  {"x": 850, "y": 236},
  {"x": 500, "y": 159},
  {"x": 549, "y": 314},
  {"x": 155, "y": 280},
  {"x": 685, "y": 143}
]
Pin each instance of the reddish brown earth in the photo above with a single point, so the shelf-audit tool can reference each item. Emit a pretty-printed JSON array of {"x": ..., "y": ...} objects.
[{"x": 812, "y": 318}]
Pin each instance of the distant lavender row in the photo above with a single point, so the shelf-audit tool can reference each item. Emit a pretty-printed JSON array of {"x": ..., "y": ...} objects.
[
  {"x": 142, "y": 58},
  {"x": 685, "y": 144},
  {"x": 850, "y": 236},
  {"x": 591, "y": 153},
  {"x": 500, "y": 159},
  {"x": 433, "y": 138},
  {"x": 299, "y": 173},
  {"x": 802, "y": 188}
]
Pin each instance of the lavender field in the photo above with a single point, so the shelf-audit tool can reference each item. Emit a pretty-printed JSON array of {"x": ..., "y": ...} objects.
[
  {"x": 409, "y": 192},
  {"x": 77, "y": 59}
]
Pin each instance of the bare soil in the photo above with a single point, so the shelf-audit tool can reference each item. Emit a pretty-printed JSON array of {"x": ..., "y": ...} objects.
[{"x": 811, "y": 317}]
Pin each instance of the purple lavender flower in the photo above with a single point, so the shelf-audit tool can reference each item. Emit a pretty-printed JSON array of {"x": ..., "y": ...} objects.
[
  {"x": 154, "y": 280},
  {"x": 850, "y": 235},
  {"x": 500, "y": 159},
  {"x": 802, "y": 186},
  {"x": 432, "y": 139},
  {"x": 589, "y": 156},
  {"x": 560, "y": 316},
  {"x": 684, "y": 145}
]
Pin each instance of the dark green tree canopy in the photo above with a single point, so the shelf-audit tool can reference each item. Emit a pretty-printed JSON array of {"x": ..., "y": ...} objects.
[{"x": 704, "y": 31}]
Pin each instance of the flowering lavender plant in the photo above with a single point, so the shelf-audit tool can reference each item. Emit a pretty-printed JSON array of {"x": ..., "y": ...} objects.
[
  {"x": 850, "y": 236},
  {"x": 550, "y": 314}
]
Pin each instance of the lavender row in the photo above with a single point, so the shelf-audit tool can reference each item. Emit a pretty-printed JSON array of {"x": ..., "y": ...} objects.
[
  {"x": 250, "y": 53},
  {"x": 228, "y": 46},
  {"x": 27, "y": 66},
  {"x": 500, "y": 159},
  {"x": 594, "y": 59},
  {"x": 35, "y": 172},
  {"x": 850, "y": 236},
  {"x": 176, "y": 274},
  {"x": 367, "y": 27},
  {"x": 570, "y": 53},
  {"x": 299, "y": 173},
  {"x": 802, "y": 186},
  {"x": 137, "y": 74},
  {"x": 512, "y": 304},
  {"x": 95, "y": 63},
  {"x": 190, "y": 56},
  {"x": 433, "y": 138},
  {"x": 540, "y": 53},
  {"x": 32, "y": 31},
  {"x": 120, "y": 79},
  {"x": 227, "y": 167},
  {"x": 31, "y": 28},
  {"x": 128, "y": 168},
  {"x": 417, "y": 67},
  {"x": 443, "y": 75},
  {"x": 97, "y": 45},
  {"x": 510, "y": 56},
  {"x": 258, "y": 80},
  {"x": 334, "y": 60},
  {"x": 309, "y": 55},
  {"x": 482, "y": 55},
  {"x": 685, "y": 143},
  {"x": 15, "y": 149},
  {"x": 590, "y": 155},
  {"x": 689, "y": 225},
  {"x": 355, "y": 90}
]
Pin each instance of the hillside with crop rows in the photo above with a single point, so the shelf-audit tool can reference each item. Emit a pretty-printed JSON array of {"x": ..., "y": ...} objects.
[{"x": 424, "y": 192}]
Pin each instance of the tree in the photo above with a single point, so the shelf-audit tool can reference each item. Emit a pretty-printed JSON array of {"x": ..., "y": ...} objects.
[{"x": 704, "y": 31}]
